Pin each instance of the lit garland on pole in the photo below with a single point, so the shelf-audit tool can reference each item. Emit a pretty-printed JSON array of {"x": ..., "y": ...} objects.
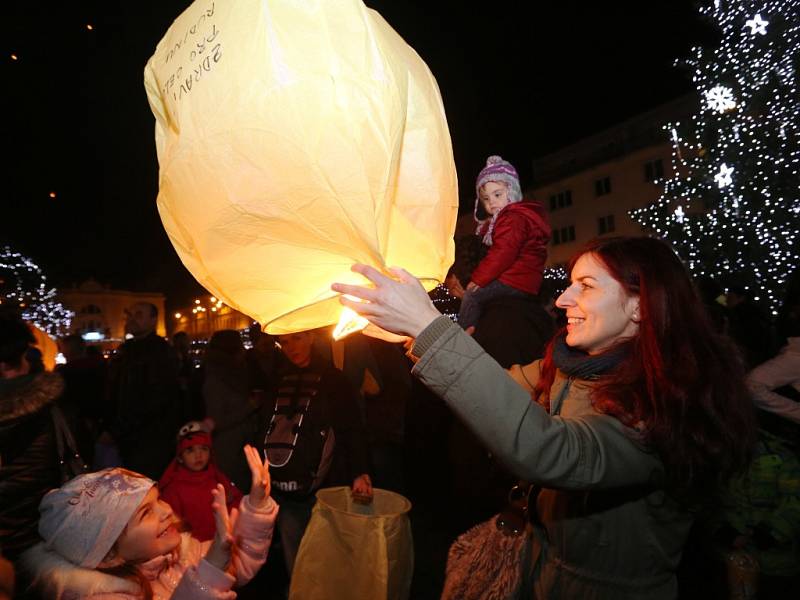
[
  {"x": 23, "y": 286},
  {"x": 732, "y": 206}
]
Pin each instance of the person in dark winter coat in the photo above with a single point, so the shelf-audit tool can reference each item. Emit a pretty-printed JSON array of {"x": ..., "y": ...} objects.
[
  {"x": 516, "y": 232},
  {"x": 84, "y": 376},
  {"x": 145, "y": 396},
  {"x": 314, "y": 438},
  {"x": 28, "y": 455},
  {"x": 228, "y": 400},
  {"x": 512, "y": 330}
]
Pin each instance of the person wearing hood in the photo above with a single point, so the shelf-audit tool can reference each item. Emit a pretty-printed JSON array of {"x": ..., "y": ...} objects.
[
  {"x": 516, "y": 232},
  {"x": 28, "y": 456}
]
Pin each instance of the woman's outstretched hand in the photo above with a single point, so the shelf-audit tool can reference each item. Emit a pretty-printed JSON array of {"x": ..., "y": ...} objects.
[
  {"x": 398, "y": 304},
  {"x": 260, "y": 485}
]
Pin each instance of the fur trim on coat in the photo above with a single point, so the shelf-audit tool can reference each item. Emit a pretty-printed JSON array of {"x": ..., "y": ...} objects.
[{"x": 23, "y": 396}]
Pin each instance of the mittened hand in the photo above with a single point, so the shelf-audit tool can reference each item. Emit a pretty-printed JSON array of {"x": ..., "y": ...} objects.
[{"x": 261, "y": 483}]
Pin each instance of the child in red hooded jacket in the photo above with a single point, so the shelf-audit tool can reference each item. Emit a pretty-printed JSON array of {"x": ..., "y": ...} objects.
[
  {"x": 191, "y": 476},
  {"x": 517, "y": 233}
]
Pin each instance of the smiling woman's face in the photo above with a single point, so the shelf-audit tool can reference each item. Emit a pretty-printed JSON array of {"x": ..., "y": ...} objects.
[
  {"x": 150, "y": 532},
  {"x": 599, "y": 311}
]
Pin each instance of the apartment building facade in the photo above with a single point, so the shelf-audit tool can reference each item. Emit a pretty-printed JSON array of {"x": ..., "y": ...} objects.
[{"x": 590, "y": 186}]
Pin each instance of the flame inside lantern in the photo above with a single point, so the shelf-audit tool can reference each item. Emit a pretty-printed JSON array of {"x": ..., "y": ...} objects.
[{"x": 349, "y": 322}]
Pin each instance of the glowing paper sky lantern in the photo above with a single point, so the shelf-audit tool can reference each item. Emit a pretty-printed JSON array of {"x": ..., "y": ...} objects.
[{"x": 295, "y": 138}]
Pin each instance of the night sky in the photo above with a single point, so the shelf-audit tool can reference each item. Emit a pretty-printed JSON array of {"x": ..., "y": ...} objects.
[{"x": 518, "y": 79}]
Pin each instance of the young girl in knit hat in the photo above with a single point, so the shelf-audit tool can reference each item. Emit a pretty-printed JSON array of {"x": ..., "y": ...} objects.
[
  {"x": 108, "y": 536},
  {"x": 516, "y": 232},
  {"x": 192, "y": 476}
]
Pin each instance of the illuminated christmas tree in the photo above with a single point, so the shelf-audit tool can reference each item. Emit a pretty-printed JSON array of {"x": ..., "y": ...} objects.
[
  {"x": 732, "y": 205},
  {"x": 24, "y": 287}
]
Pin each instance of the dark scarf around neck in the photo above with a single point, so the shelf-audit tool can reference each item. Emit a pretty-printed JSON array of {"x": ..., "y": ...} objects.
[{"x": 578, "y": 365}]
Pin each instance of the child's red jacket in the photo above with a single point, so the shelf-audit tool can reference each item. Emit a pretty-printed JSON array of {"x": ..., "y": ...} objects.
[
  {"x": 189, "y": 495},
  {"x": 519, "y": 248}
]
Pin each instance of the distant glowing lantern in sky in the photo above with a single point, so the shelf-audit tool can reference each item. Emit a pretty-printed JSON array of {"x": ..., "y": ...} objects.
[{"x": 295, "y": 139}]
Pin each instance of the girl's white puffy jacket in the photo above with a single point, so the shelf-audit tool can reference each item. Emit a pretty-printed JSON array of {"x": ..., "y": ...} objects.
[{"x": 182, "y": 575}]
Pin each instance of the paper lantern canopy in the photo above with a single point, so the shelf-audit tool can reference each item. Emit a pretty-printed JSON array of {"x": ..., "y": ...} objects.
[{"x": 295, "y": 139}]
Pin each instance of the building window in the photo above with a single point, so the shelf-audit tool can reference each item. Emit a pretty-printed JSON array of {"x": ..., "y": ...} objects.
[
  {"x": 561, "y": 200},
  {"x": 564, "y": 235},
  {"x": 653, "y": 170},
  {"x": 602, "y": 186},
  {"x": 605, "y": 224}
]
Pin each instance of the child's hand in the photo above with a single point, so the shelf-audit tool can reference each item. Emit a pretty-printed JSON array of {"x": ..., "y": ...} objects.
[
  {"x": 261, "y": 483},
  {"x": 362, "y": 488},
  {"x": 454, "y": 286},
  {"x": 472, "y": 286},
  {"x": 219, "y": 554}
]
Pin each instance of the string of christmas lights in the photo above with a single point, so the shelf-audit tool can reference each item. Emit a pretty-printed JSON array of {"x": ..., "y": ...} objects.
[
  {"x": 445, "y": 302},
  {"x": 24, "y": 286},
  {"x": 731, "y": 208}
]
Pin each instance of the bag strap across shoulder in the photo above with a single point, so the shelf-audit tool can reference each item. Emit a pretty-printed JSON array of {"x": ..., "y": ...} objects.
[{"x": 65, "y": 441}]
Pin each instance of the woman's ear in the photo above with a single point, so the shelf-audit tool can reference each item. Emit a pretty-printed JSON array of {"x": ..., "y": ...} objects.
[{"x": 633, "y": 308}]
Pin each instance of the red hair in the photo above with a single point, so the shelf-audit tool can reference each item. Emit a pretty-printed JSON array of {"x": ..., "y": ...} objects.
[{"x": 682, "y": 383}]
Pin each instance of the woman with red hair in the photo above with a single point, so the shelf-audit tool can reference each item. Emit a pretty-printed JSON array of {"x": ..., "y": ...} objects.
[{"x": 637, "y": 411}]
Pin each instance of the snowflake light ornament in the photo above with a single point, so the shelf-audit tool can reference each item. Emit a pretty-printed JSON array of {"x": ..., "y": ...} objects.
[
  {"x": 723, "y": 178},
  {"x": 720, "y": 98},
  {"x": 757, "y": 25},
  {"x": 679, "y": 214}
]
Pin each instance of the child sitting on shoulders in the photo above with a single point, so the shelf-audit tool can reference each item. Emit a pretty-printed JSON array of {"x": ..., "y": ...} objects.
[
  {"x": 516, "y": 232},
  {"x": 108, "y": 536},
  {"x": 192, "y": 476}
]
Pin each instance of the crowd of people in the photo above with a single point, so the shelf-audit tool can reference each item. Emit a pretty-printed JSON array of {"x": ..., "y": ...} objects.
[{"x": 634, "y": 434}]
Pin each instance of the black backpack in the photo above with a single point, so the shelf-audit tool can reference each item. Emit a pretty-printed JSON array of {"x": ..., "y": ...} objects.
[{"x": 298, "y": 445}]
